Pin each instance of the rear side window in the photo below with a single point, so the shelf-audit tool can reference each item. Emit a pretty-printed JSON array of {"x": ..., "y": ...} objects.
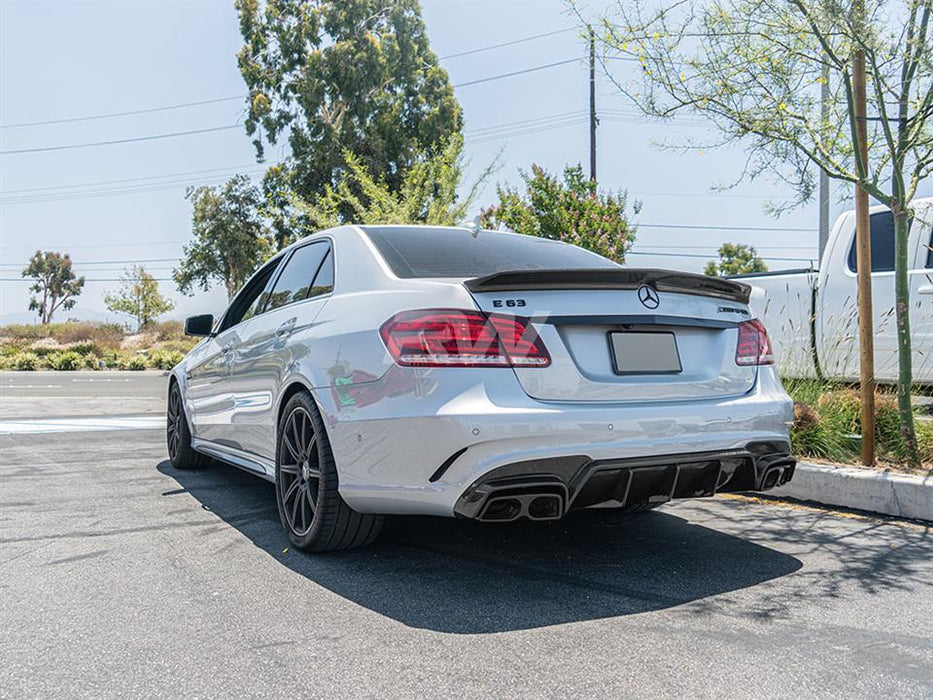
[
  {"x": 449, "y": 252},
  {"x": 294, "y": 283},
  {"x": 251, "y": 298},
  {"x": 324, "y": 280},
  {"x": 930, "y": 252},
  {"x": 882, "y": 243}
]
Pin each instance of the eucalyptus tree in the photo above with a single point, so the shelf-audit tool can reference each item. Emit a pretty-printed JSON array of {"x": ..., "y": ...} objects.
[{"x": 331, "y": 76}]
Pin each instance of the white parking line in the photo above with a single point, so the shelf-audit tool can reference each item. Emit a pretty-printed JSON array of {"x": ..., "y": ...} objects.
[{"x": 76, "y": 425}]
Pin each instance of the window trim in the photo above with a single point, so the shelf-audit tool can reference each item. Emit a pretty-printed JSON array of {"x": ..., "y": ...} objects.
[
  {"x": 276, "y": 263},
  {"x": 275, "y": 277}
]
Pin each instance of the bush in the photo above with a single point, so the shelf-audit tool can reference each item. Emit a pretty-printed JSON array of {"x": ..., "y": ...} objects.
[
  {"x": 92, "y": 361},
  {"x": 168, "y": 330},
  {"x": 165, "y": 359},
  {"x": 132, "y": 362},
  {"x": 25, "y": 331},
  {"x": 101, "y": 334},
  {"x": 25, "y": 362},
  {"x": 68, "y": 361},
  {"x": 183, "y": 346},
  {"x": 812, "y": 436}
]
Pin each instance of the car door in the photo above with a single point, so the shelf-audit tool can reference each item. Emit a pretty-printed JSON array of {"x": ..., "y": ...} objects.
[
  {"x": 265, "y": 348},
  {"x": 838, "y": 302},
  {"x": 209, "y": 401}
]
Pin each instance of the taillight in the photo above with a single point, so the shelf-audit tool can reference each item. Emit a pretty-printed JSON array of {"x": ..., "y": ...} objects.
[
  {"x": 454, "y": 338},
  {"x": 754, "y": 346}
]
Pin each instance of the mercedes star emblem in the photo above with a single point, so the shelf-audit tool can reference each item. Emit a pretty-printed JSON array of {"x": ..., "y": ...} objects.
[{"x": 648, "y": 297}]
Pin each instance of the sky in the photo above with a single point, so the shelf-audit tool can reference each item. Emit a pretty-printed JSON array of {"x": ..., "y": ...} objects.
[{"x": 115, "y": 204}]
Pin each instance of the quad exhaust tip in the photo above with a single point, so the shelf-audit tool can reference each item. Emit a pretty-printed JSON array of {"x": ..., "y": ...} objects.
[
  {"x": 541, "y": 506},
  {"x": 776, "y": 476}
]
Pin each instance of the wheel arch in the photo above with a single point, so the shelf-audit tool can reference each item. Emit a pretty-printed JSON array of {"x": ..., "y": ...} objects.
[
  {"x": 175, "y": 379},
  {"x": 295, "y": 385}
]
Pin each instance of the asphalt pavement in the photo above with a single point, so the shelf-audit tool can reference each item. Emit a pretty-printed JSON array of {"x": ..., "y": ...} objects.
[{"x": 122, "y": 577}]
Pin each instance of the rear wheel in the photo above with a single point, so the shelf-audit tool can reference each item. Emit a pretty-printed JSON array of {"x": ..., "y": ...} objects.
[
  {"x": 177, "y": 435},
  {"x": 313, "y": 514}
]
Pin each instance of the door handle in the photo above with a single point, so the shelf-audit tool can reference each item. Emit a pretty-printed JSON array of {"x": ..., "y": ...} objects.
[
  {"x": 286, "y": 327},
  {"x": 928, "y": 289}
]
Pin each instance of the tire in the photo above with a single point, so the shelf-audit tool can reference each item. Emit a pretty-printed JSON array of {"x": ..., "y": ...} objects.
[
  {"x": 177, "y": 435},
  {"x": 315, "y": 517}
]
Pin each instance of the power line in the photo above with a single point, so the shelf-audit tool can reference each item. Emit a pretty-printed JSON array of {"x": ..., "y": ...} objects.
[
  {"x": 707, "y": 257},
  {"x": 107, "y": 192},
  {"x": 117, "y": 141},
  {"x": 508, "y": 43},
  {"x": 218, "y": 100},
  {"x": 86, "y": 279},
  {"x": 129, "y": 113},
  {"x": 699, "y": 227},
  {"x": 517, "y": 72},
  {"x": 125, "y": 180},
  {"x": 108, "y": 262}
]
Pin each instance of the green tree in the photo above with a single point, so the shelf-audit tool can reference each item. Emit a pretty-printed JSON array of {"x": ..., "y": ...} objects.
[
  {"x": 569, "y": 208},
  {"x": 54, "y": 284},
  {"x": 427, "y": 194},
  {"x": 755, "y": 69},
  {"x": 343, "y": 75},
  {"x": 735, "y": 259},
  {"x": 139, "y": 297},
  {"x": 231, "y": 237}
]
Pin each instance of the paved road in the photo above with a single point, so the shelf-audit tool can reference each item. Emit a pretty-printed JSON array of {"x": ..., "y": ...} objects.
[{"x": 120, "y": 576}]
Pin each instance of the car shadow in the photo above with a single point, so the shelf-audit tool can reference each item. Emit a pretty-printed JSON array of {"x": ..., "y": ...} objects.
[{"x": 458, "y": 576}]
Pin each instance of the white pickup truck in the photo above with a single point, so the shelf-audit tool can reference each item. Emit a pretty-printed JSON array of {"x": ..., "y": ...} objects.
[{"x": 811, "y": 315}]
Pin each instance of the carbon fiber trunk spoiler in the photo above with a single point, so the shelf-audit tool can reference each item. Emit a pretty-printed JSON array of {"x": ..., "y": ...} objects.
[{"x": 622, "y": 278}]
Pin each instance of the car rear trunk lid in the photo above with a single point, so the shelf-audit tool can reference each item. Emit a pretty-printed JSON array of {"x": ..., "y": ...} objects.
[{"x": 626, "y": 335}]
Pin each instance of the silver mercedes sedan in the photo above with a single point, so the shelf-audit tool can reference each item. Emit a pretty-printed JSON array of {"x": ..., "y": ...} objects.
[{"x": 374, "y": 370}]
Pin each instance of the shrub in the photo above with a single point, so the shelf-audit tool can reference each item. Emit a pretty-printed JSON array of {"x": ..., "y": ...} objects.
[
  {"x": 67, "y": 361},
  {"x": 813, "y": 435},
  {"x": 183, "y": 346},
  {"x": 167, "y": 330},
  {"x": 92, "y": 361},
  {"x": 83, "y": 348},
  {"x": 132, "y": 362},
  {"x": 843, "y": 408},
  {"x": 25, "y": 331},
  {"x": 79, "y": 331},
  {"x": 925, "y": 440},
  {"x": 25, "y": 362},
  {"x": 165, "y": 359}
]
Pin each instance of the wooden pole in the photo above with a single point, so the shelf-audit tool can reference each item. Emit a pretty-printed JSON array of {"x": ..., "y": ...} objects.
[{"x": 863, "y": 255}]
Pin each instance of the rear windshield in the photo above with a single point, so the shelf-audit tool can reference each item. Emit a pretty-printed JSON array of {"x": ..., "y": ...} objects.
[{"x": 451, "y": 252}]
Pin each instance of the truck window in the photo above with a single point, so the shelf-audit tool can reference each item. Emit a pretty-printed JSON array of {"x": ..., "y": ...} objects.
[{"x": 882, "y": 243}]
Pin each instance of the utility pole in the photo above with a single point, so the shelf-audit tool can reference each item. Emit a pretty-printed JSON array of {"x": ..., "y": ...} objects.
[
  {"x": 863, "y": 251},
  {"x": 592, "y": 105},
  {"x": 824, "y": 178}
]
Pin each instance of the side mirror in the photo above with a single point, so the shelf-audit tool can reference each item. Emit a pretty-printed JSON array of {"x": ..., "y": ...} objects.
[{"x": 202, "y": 325}]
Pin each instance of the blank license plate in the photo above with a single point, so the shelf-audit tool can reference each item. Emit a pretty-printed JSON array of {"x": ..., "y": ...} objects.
[{"x": 644, "y": 353}]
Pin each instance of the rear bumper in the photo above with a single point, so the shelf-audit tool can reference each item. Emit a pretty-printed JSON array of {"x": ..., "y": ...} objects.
[
  {"x": 547, "y": 489},
  {"x": 420, "y": 441}
]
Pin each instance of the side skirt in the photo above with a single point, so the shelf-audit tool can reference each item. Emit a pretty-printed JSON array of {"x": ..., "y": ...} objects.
[{"x": 238, "y": 458}]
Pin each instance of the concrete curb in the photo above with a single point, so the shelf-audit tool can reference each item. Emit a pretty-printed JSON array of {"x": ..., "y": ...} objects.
[{"x": 903, "y": 495}]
